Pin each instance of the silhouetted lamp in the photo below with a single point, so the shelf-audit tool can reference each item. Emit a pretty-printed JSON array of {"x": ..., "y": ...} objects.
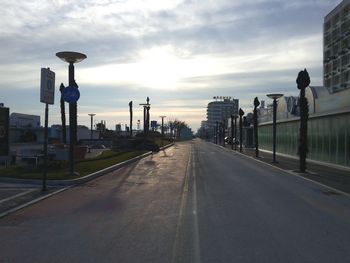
[
  {"x": 274, "y": 97},
  {"x": 71, "y": 58}
]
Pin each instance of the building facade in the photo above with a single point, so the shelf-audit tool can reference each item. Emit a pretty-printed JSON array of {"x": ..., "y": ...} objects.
[
  {"x": 336, "y": 48},
  {"x": 20, "y": 120},
  {"x": 220, "y": 110}
]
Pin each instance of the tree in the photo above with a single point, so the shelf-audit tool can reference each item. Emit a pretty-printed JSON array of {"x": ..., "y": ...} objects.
[
  {"x": 303, "y": 81},
  {"x": 130, "y": 110},
  {"x": 63, "y": 115},
  {"x": 255, "y": 120},
  {"x": 176, "y": 126}
]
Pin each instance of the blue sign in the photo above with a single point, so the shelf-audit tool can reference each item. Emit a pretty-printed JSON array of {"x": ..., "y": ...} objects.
[
  {"x": 153, "y": 124},
  {"x": 71, "y": 94}
]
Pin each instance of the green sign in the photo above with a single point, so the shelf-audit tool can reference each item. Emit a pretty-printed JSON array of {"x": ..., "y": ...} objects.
[{"x": 4, "y": 132}]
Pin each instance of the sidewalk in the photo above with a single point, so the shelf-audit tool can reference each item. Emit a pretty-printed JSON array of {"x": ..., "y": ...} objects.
[
  {"x": 324, "y": 173},
  {"x": 16, "y": 194}
]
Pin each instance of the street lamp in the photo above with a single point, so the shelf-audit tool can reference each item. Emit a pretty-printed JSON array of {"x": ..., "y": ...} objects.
[
  {"x": 146, "y": 108},
  {"x": 91, "y": 117},
  {"x": 274, "y": 97},
  {"x": 71, "y": 58}
]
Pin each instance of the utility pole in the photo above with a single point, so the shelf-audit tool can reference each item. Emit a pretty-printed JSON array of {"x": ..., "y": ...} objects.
[{"x": 130, "y": 110}]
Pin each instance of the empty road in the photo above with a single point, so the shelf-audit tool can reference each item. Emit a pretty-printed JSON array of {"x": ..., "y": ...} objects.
[{"x": 194, "y": 202}]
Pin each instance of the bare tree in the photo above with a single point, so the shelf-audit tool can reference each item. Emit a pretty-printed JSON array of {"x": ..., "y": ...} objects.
[{"x": 178, "y": 126}]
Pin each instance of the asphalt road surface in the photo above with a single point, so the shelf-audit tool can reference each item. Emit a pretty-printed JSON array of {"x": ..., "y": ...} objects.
[{"x": 194, "y": 202}]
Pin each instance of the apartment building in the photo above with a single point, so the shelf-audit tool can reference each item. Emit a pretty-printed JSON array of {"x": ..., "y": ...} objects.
[
  {"x": 336, "y": 48},
  {"x": 220, "y": 110}
]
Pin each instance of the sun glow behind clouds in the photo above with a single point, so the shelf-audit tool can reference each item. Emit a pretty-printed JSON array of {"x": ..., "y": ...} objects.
[{"x": 161, "y": 67}]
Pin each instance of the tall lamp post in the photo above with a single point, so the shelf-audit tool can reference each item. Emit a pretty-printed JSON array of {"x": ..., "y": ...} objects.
[
  {"x": 71, "y": 96},
  {"x": 274, "y": 97},
  {"x": 146, "y": 117},
  {"x": 91, "y": 117}
]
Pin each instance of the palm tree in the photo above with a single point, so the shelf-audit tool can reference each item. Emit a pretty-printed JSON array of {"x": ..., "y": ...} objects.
[
  {"x": 303, "y": 81},
  {"x": 63, "y": 115}
]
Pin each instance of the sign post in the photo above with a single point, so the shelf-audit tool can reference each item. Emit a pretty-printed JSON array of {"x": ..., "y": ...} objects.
[{"x": 47, "y": 96}]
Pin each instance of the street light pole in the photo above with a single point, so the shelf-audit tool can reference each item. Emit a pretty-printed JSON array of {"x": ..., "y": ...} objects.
[
  {"x": 91, "y": 117},
  {"x": 274, "y": 97},
  {"x": 71, "y": 58},
  {"x": 146, "y": 117}
]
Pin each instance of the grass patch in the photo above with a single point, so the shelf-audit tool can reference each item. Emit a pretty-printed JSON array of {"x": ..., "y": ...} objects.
[{"x": 58, "y": 170}]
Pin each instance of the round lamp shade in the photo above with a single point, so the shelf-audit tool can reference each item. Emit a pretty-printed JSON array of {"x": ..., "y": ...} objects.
[{"x": 70, "y": 56}]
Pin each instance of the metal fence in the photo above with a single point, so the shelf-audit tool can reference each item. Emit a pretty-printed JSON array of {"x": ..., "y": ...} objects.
[{"x": 328, "y": 137}]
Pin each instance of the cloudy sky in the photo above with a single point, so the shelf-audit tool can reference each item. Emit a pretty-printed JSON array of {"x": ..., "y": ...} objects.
[{"x": 180, "y": 53}]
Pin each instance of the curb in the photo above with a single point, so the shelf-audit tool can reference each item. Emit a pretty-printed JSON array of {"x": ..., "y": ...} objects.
[{"x": 83, "y": 179}]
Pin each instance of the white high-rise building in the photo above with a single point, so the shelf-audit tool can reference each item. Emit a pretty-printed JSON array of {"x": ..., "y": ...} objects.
[
  {"x": 336, "y": 48},
  {"x": 220, "y": 110}
]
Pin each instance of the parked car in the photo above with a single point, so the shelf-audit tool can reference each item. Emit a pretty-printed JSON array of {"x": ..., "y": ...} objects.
[{"x": 228, "y": 140}]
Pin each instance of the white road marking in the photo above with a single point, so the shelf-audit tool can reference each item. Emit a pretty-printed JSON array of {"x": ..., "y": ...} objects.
[
  {"x": 196, "y": 241},
  {"x": 15, "y": 196}
]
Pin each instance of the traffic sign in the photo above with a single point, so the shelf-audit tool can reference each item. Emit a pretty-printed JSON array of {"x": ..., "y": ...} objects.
[
  {"x": 71, "y": 94},
  {"x": 153, "y": 124},
  {"x": 47, "y": 86}
]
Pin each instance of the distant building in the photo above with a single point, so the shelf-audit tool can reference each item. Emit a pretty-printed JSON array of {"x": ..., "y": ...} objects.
[
  {"x": 320, "y": 102},
  {"x": 20, "y": 120},
  {"x": 118, "y": 128},
  {"x": 204, "y": 124},
  {"x": 186, "y": 133},
  {"x": 336, "y": 48},
  {"x": 220, "y": 110}
]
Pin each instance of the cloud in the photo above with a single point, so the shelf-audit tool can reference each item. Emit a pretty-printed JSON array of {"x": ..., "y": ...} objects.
[{"x": 178, "y": 52}]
